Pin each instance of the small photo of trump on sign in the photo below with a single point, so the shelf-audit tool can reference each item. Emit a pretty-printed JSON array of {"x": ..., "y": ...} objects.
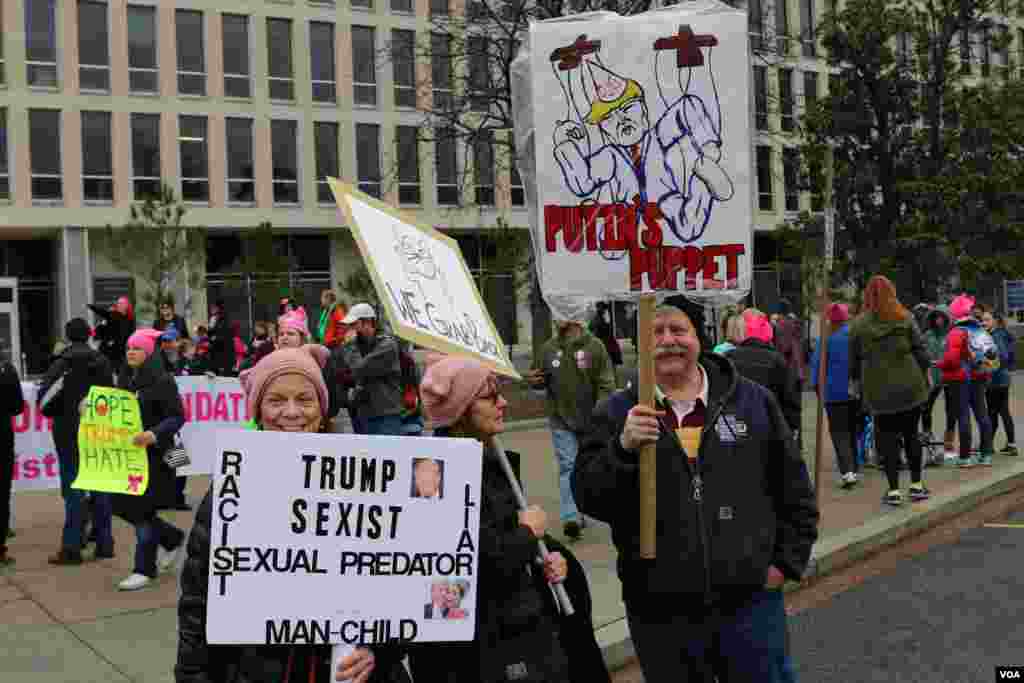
[{"x": 427, "y": 478}]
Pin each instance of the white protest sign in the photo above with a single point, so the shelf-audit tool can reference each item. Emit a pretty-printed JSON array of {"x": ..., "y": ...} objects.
[
  {"x": 337, "y": 538},
  {"x": 209, "y": 404},
  {"x": 423, "y": 281},
  {"x": 642, "y": 141}
]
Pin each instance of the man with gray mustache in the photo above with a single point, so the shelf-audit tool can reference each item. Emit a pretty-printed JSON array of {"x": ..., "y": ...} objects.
[{"x": 736, "y": 515}]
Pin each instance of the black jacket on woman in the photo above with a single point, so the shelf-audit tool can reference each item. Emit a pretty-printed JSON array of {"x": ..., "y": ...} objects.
[
  {"x": 113, "y": 334},
  {"x": 164, "y": 415},
  {"x": 177, "y": 322},
  {"x": 516, "y": 622},
  {"x": 200, "y": 662}
]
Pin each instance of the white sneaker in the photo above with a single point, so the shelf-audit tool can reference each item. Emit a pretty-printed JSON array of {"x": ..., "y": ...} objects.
[
  {"x": 952, "y": 457},
  {"x": 165, "y": 559},
  {"x": 849, "y": 479},
  {"x": 134, "y": 582}
]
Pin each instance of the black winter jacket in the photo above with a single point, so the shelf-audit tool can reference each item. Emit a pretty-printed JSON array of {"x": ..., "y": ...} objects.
[
  {"x": 510, "y": 607},
  {"x": 200, "y": 662},
  {"x": 113, "y": 333},
  {"x": 754, "y": 506},
  {"x": 164, "y": 415},
  {"x": 763, "y": 363},
  {"x": 12, "y": 403}
]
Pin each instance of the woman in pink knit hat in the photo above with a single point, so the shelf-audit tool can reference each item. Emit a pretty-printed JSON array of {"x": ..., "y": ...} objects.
[
  {"x": 157, "y": 542},
  {"x": 515, "y": 624},
  {"x": 285, "y": 392}
]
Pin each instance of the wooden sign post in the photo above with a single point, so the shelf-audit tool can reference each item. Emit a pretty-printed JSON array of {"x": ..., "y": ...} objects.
[
  {"x": 648, "y": 471},
  {"x": 819, "y": 428}
]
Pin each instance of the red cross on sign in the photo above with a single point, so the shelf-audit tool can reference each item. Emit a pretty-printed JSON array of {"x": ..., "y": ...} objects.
[
  {"x": 687, "y": 46},
  {"x": 570, "y": 56}
]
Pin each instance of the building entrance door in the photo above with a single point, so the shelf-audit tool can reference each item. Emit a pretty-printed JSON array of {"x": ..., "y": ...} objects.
[{"x": 10, "y": 332}]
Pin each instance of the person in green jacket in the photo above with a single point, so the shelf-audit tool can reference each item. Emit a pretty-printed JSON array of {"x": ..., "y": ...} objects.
[
  {"x": 889, "y": 363},
  {"x": 937, "y": 322},
  {"x": 575, "y": 369}
]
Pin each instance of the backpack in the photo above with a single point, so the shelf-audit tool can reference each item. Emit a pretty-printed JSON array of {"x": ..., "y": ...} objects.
[
  {"x": 68, "y": 389},
  {"x": 982, "y": 352}
]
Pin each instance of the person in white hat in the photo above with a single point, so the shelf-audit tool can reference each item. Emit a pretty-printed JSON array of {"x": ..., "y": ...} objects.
[{"x": 376, "y": 372}]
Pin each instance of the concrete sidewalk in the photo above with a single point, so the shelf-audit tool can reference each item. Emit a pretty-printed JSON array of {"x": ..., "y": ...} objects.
[{"x": 71, "y": 624}]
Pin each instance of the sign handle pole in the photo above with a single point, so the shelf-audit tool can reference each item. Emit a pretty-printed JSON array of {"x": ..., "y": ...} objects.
[
  {"x": 564, "y": 604},
  {"x": 819, "y": 428},
  {"x": 648, "y": 474},
  {"x": 338, "y": 653}
]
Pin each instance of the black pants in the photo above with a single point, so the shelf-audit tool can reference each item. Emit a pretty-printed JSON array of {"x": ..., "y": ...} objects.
[
  {"x": 951, "y": 397},
  {"x": 6, "y": 480},
  {"x": 179, "y": 489},
  {"x": 999, "y": 407},
  {"x": 926, "y": 413},
  {"x": 842, "y": 425},
  {"x": 888, "y": 429}
]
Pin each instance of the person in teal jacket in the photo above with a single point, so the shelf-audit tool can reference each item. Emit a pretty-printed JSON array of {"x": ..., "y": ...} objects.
[
  {"x": 937, "y": 322},
  {"x": 998, "y": 390},
  {"x": 842, "y": 409}
]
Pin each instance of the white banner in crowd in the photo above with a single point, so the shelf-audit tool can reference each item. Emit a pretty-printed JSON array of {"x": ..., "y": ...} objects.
[
  {"x": 209, "y": 404},
  {"x": 642, "y": 147},
  {"x": 343, "y": 539}
]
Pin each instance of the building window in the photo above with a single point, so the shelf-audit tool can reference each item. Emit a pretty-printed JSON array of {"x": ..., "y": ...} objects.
[
  {"x": 403, "y": 59},
  {"x": 191, "y": 55},
  {"x": 808, "y": 37},
  {"x": 145, "y": 156},
  {"x": 782, "y": 26},
  {"x": 41, "y": 44},
  {"x": 441, "y": 70},
  {"x": 93, "y": 46},
  {"x": 479, "y": 73},
  {"x": 279, "y": 50},
  {"x": 446, "y": 170},
  {"x": 368, "y": 158},
  {"x": 1003, "y": 51},
  {"x": 241, "y": 168},
  {"x": 439, "y": 8},
  {"x": 44, "y": 153},
  {"x": 97, "y": 164},
  {"x": 764, "y": 178},
  {"x": 285, "y": 158},
  {"x": 483, "y": 167},
  {"x": 237, "y": 72},
  {"x": 325, "y": 139},
  {"x": 364, "y": 69},
  {"x": 755, "y": 24},
  {"x": 810, "y": 89},
  {"x": 964, "y": 42},
  {"x": 788, "y": 120},
  {"x": 362, "y": 4},
  {"x": 817, "y": 182},
  {"x": 984, "y": 44},
  {"x": 761, "y": 97},
  {"x": 195, "y": 169},
  {"x": 5, "y": 169},
  {"x": 791, "y": 177},
  {"x": 1020, "y": 46},
  {"x": 143, "y": 76},
  {"x": 516, "y": 183},
  {"x": 407, "y": 141},
  {"x": 402, "y": 6},
  {"x": 321, "y": 57}
]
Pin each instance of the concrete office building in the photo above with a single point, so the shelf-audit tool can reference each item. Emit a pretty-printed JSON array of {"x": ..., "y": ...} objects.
[{"x": 243, "y": 108}]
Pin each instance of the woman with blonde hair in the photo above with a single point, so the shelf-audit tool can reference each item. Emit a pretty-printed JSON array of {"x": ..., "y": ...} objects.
[{"x": 889, "y": 365}]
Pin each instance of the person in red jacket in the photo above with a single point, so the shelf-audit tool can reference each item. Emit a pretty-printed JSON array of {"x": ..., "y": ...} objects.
[{"x": 964, "y": 386}]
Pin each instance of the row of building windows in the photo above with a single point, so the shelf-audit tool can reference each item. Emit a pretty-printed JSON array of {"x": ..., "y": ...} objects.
[
  {"x": 47, "y": 178},
  {"x": 793, "y": 182},
  {"x": 190, "y": 41}
]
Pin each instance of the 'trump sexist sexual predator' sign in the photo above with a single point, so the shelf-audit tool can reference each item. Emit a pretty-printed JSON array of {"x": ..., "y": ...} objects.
[{"x": 343, "y": 539}]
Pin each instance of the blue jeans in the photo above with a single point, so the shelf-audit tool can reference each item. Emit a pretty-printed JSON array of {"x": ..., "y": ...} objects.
[
  {"x": 148, "y": 536},
  {"x": 744, "y": 645},
  {"x": 566, "y": 446},
  {"x": 385, "y": 425},
  {"x": 74, "y": 510},
  {"x": 972, "y": 399}
]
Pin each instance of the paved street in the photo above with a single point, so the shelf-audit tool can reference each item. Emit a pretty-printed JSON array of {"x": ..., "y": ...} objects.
[
  {"x": 70, "y": 624},
  {"x": 952, "y": 614}
]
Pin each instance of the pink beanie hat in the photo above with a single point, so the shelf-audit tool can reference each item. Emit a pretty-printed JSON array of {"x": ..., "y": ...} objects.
[
  {"x": 144, "y": 339},
  {"x": 308, "y": 361},
  {"x": 961, "y": 306},
  {"x": 449, "y": 387},
  {"x": 294, "y": 320},
  {"x": 838, "y": 313},
  {"x": 758, "y": 327}
]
